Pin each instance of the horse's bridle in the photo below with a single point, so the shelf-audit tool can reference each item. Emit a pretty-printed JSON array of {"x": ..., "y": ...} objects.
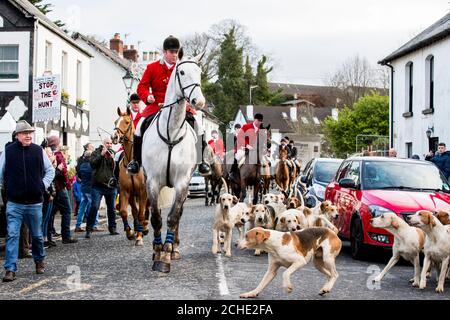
[
  {"x": 171, "y": 144},
  {"x": 123, "y": 134}
]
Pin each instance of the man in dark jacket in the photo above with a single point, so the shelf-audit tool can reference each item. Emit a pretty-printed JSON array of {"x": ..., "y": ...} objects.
[
  {"x": 442, "y": 160},
  {"x": 26, "y": 172},
  {"x": 84, "y": 174},
  {"x": 104, "y": 184}
]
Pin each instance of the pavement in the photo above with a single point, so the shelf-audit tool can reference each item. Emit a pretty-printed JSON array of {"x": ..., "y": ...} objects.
[{"x": 109, "y": 267}]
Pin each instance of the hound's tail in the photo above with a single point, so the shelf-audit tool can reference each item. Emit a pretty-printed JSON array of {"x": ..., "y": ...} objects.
[{"x": 225, "y": 185}]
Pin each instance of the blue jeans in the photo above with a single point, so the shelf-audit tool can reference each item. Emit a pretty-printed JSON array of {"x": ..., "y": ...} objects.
[
  {"x": 62, "y": 203},
  {"x": 31, "y": 215},
  {"x": 110, "y": 198},
  {"x": 47, "y": 214},
  {"x": 85, "y": 205}
]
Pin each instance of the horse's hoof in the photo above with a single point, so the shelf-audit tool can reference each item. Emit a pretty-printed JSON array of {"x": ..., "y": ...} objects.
[
  {"x": 161, "y": 267},
  {"x": 175, "y": 255},
  {"x": 145, "y": 232},
  {"x": 139, "y": 243}
]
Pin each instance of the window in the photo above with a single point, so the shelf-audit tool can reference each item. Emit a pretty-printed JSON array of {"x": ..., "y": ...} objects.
[
  {"x": 64, "y": 66},
  {"x": 1, "y": 22},
  {"x": 305, "y": 120},
  {"x": 429, "y": 82},
  {"x": 316, "y": 121},
  {"x": 284, "y": 115},
  {"x": 79, "y": 77},
  {"x": 343, "y": 171},
  {"x": 353, "y": 172},
  {"x": 48, "y": 56},
  {"x": 409, "y": 87},
  {"x": 9, "y": 62},
  {"x": 409, "y": 150}
]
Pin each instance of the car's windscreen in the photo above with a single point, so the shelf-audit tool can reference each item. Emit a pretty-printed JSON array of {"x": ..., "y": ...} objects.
[
  {"x": 402, "y": 176},
  {"x": 196, "y": 174},
  {"x": 325, "y": 171}
]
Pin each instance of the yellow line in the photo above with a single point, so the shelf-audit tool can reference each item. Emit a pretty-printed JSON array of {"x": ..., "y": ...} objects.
[{"x": 34, "y": 286}]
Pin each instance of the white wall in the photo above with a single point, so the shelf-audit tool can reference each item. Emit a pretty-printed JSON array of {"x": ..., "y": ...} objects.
[
  {"x": 60, "y": 45},
  {"x": 414, "y": 129},
  {"x": 21, "y": 38},
  {"x": 106, "y": 94}
]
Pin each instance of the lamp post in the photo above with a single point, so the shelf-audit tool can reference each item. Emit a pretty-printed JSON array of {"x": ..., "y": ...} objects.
[
  {"x": 251, "y": 88},
  {"x": 128, "y": 80}
]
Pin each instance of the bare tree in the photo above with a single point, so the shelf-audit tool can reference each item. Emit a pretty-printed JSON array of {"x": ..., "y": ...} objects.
[
  {"x": 198, "y": 43},
  {"x": 355, "y": 79}
]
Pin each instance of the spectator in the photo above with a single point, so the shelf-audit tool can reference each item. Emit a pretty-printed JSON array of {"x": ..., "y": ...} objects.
[
  {"x": 61, "y": 201},
  {"x": 24, "y": 193},
  {"x": 84, "y": 173},
  {"x": 47, "y": 207},
  {"x": 392, "y": 153},
  {"x": 104, "y": 184},
  {"x": 442, "y": 159},
  {"x": 76, "y": 190}
]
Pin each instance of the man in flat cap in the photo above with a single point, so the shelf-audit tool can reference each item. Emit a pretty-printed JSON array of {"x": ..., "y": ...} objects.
[{"x": 26, "y": 172}]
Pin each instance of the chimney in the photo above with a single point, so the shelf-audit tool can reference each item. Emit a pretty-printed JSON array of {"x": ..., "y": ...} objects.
[
  {"x": 250, "y": 113},
  {"x": 293, "y": 114},
  {"x": 116, "y": 44},
  {"x": 131, "y": 53}
]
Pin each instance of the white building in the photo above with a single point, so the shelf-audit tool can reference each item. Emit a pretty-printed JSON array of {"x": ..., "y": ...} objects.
[
  {"x": 31, "y": 46},
  {"x": 107, "y": 91},
  {"x": 420, "y": 91}
]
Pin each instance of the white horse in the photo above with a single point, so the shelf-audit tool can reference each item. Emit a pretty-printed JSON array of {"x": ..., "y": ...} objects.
[{"x": 169, "y": 156}]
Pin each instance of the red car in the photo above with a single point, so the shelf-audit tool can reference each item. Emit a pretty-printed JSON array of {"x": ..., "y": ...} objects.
[{"x": 366, "y": 187}]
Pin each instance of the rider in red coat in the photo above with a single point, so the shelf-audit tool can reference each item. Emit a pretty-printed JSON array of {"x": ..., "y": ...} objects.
[
  {"x": 217, "y": 144},
  {"x": 152, "y": 91}
]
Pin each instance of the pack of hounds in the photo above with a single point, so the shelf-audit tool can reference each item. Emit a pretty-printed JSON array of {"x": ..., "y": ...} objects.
[{"x": 293, "y": 234}]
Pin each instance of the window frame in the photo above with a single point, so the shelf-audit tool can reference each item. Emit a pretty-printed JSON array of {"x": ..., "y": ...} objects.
[{"x": 12, "y": 61}]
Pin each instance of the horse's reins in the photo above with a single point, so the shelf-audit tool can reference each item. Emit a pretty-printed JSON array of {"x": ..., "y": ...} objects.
[{"x": 171, "y": 144}]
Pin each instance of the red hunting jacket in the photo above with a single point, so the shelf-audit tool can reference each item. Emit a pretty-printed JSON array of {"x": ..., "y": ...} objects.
[
  {"x": 218, "y": 147},
  {"x": 156, "y": 77},
  {"x": 246, "y": 136}
]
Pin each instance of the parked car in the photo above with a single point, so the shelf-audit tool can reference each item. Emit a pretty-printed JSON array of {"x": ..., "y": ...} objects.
[
  {"x": 197, "y": 186},
  {"x": 367, "y": 187},
  {"x": 317, "y": 175}
]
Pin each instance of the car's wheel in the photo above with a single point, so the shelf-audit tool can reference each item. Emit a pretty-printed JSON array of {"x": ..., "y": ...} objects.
[{"x": 358, "y": 249}]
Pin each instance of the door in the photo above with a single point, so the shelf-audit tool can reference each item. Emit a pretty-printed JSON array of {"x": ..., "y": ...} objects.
[{"x": 433, "y": 144}]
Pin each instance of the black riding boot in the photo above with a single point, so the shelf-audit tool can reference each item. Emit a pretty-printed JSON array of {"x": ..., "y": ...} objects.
[
  {"x": 233, "y": 171},
  {"x": 135, "y": 164},
  {"x": 203, "y": 167}
]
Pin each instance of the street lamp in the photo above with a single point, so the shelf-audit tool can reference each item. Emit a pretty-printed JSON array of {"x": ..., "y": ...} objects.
[
  {"x": 128, "y": 80},
  {"x": 429, "y": 132},
  {"x": 251, "y": 88}
]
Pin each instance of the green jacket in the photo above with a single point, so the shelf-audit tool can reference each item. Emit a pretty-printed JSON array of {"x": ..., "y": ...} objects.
[{"x": 102, "y": 166}]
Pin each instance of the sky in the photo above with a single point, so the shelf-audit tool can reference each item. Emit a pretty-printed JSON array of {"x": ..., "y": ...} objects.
[{"x": 306, "y": 40}]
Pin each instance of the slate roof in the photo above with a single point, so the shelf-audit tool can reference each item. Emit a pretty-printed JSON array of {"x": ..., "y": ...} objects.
[{"x": 437, "y": 31}]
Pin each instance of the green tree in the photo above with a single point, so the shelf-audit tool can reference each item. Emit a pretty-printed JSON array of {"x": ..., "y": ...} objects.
[
  {"x": 369, "y": 116},
  {"x": 228, "y": 92},
  {"x": 46, "y": 8}
]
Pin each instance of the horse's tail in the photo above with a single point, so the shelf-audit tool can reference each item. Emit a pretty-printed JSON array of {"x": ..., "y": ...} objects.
[{"x": 225, "y": 184}]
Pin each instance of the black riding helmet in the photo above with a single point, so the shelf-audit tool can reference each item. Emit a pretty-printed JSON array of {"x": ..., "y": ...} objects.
[{"x": 171, "y": 43}]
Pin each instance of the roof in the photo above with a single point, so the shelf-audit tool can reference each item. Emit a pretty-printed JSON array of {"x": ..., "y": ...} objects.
[
  {"x": 30, "y": 10},
  {"x": 437, "y": 31},
  {"x": 273, "y": 115},
  {"x": 387, "y": 159},
  {"x": 298, "y": 101},
  {"x": 110, "y": 54},
  {"x": 321, "y": 96}
]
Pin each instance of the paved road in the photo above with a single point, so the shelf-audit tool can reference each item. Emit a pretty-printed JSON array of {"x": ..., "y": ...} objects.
[{"x": 111, "y": 267}]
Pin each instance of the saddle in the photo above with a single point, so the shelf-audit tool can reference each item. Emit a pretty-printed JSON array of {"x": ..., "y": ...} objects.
[{"x": 148, "y": 121}]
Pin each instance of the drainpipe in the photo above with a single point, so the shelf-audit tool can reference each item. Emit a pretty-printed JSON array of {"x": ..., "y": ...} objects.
[{"x": 391, "y": 112}]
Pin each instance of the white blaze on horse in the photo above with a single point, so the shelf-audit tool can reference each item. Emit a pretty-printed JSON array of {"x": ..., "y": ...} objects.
[{"x": 169, "y": 156}]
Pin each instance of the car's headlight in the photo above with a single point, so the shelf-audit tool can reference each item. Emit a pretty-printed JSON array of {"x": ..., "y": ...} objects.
[
  {"x": 319, "y": 190},
  {"x": 377, "y": 211}
]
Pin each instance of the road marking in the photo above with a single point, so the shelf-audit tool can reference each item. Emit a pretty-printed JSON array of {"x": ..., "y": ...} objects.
[
  {"x": 35, "y": 285},
  {"x": 223, "y": 287}
]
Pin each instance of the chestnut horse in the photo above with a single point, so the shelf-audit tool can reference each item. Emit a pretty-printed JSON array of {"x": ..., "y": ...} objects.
[
  {"x": 282, "y": 174},
  {"x": 132, "y": 188},
  {"x": 216, "y": 176}
]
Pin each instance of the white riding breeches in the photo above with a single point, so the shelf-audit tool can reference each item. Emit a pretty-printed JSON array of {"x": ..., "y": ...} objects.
[{"x": 137, "y": 132}]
